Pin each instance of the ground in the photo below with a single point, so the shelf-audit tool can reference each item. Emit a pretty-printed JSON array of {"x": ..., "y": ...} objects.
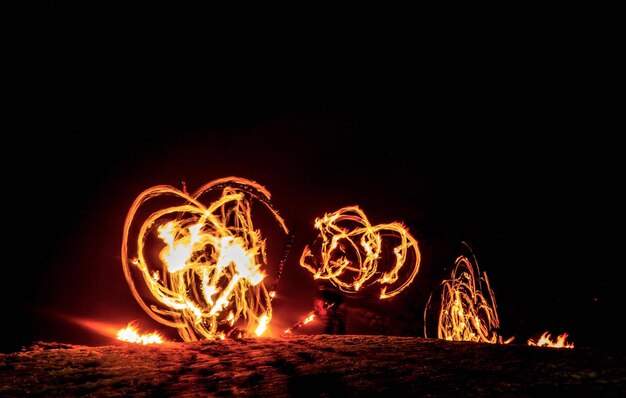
[{"x": 313, "y": 365}]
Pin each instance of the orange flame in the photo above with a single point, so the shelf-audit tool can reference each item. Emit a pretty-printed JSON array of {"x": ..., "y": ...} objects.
[
  {"x": 208, "y": 279},
  {"x": 310, "y": 317},
  {"x": 132, "y": 335},
  {"x": 546, "y": 341},
  {"x": 354, "y": 253},
  {"x": 465, "y": 314}
]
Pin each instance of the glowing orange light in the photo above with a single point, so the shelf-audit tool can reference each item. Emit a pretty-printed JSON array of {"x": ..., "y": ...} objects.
[
  {"x": 465, "y": 313},
  {"x": 546, "y": 341},
  {"x": 262, "y": 325},
  {"x": 353, "y": 253},
  {"x": 132, "y": 335},
  {"x": 102, "y": 328},
  {"x": 310, "y": 317},
  {"x": 207, "y": 279}
]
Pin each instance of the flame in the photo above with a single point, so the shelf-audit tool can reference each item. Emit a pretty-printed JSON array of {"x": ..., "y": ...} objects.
[
  {"x": 546, "y": 341},
  {"x": 466, "y": 314},
  {"x": 310, "y": 317},
  {"x": 262, "y": 325},
  {"x": 208, "y": 278},
  {"x": 354, "y": 253},
  {"x": 132, "y": 335}
]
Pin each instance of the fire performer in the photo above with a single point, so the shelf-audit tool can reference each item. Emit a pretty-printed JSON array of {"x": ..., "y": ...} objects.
[{"x": 327, "y": 305}]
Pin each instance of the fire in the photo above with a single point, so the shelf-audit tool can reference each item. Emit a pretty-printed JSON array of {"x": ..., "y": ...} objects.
[
  {"x": 546, "y": 341},
  {"x": 310, "y": 317},
  {"x": 207, "y": 280},
  {"x": 262, "y": 325},
  {"x": 353, "y": 253},
  {"x": 132, "y": 335},
  {"x": 466, "y": 314}
]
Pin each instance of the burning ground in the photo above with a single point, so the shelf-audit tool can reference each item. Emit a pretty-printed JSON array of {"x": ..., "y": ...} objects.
[{"x": 314, "y": 365}]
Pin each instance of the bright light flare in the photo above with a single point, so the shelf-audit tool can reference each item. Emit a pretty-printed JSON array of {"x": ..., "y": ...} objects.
[
  {"x": 352, "y": 253},
  {"x": 102, "y": 328},
  {"x": 546, "y": 341},
  {"x": 202, "y": 261}
]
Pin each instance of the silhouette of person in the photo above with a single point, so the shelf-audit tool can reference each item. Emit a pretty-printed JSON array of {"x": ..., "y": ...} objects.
[{"x": 328, "y": 307}]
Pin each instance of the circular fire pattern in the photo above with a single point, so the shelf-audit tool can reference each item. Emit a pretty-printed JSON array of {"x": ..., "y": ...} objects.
[
  {"x": 465, "y": 313},
  {"x": 202, "y": 261},
  {"x": 352, "y": 253}
]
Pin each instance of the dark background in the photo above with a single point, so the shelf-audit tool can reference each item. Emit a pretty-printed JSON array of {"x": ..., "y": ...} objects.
[{"x": 495, "y": 133}]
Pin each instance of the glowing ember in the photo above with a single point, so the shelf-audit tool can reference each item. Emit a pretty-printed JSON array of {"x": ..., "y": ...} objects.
[
  {"x": 352, "y": 253},
  {"x": 207, "y": 279},
  {"x": 466, "y": 314},
  {"x": 132, "y": 335},
  {"x": 546, "y": 341}
]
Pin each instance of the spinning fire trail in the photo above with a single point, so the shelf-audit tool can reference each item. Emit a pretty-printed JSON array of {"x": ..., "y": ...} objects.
[
  {"x": 200, "y": 265},
  {"x": 465, "y": 313},
  {"x": 207, "y": 278},
  {"x": 351, "y": 253}
]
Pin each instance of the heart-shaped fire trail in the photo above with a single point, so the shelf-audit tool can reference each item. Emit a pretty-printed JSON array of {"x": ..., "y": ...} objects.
[{"x": 201, "y": 261}]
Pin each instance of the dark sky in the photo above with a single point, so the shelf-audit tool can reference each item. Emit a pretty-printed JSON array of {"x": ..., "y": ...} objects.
[{"x": 497, "y": 140}]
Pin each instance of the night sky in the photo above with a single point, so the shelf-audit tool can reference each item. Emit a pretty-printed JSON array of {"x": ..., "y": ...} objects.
[{"x": 499, "y": 142}]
